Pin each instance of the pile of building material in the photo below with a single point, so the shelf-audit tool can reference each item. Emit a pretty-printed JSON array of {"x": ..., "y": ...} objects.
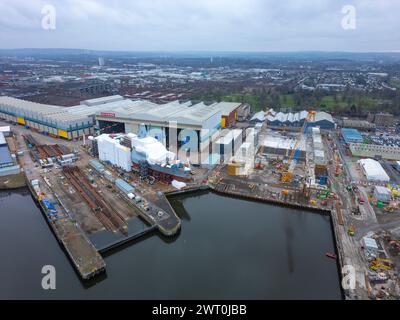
[{"x": 47, "y": 155}]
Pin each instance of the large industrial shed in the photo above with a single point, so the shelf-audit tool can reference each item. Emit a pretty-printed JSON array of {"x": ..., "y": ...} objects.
[
  {"x": 54, "y": 120},
  {"x": 199, "y": 121},
  {"x": 373, "y": 150},
  {"x": 229, "y": 113},
  {"x": 323, "y": 120},
  {"x": 373, "y": 170},
  {"x": 116, "y": 114}
]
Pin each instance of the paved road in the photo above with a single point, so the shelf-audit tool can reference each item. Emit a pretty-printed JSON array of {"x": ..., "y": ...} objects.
[{"x": 350, "y": 246}]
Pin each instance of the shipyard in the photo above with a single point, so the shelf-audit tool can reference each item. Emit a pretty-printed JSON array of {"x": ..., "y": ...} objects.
[
  {"x": 198, "y": 174},
  {"x": 95, "y": 167}
]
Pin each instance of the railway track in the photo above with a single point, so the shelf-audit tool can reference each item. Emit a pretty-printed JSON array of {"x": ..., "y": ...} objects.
[{"x": 106, "y": 214}]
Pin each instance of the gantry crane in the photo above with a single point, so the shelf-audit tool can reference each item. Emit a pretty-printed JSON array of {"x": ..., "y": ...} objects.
[{"x": 287, "y": 175}]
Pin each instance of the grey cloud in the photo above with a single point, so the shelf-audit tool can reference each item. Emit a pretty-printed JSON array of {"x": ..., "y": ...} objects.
[{"x": 238, "y": 25}]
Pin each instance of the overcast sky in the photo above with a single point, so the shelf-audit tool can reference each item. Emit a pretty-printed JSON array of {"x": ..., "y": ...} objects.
[{"x": 211, "y": 25}]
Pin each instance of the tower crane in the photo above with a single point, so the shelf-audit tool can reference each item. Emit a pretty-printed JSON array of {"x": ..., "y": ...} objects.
[{"x": 287, "y": 176}]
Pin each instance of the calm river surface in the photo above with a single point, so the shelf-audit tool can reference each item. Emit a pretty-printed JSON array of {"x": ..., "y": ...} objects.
[{"x": 227, "y": 249}]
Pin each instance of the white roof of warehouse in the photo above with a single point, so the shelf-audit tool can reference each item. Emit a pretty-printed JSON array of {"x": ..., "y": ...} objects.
[
  {"x": 373, "y": 170},
  {"x": 47, "y": 112},
  {"x": 383, "y": 190},
  {"x": 196, "y": 114},
  {"x": 258, "y": 116},
  {"x": 181, "y": 112},
  {"x": 2, "y": 139},
  {"x": 299, "y": 116},
  {"x": 321, "y": 115},
  {"x": 29, "y": 106}
]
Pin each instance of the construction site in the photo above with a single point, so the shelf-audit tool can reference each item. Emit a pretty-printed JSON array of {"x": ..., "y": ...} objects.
[{"x": 103, "y": 181}]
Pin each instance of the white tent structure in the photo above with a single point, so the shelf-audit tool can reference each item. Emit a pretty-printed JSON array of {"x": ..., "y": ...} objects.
[
  {"x": 111, "y": 150},
  {"x": 373, "y": 170},
  {"x": 154, "y": 151},
  {"x": 259, "y": 117}
]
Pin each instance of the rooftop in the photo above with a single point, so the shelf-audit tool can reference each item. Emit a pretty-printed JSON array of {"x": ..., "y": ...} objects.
[
  {"x": 47, "y": 113},
  {"x": 102, "y": 100},
  {"x": 382, "y": 190},
  {"x": 2, "y": 139},
  {"x": 5, "y": 156},
  {"x": 350, "y": 134},
  {"x": 181, "y": 112},
  {"x": 227, "y": 107}
]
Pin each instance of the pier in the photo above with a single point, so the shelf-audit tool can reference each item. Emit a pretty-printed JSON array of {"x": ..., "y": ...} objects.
[
  {"x": 86, "y": 260},
  {"x": 81, "y": 252},
  {"x": 257, "y": 195}
]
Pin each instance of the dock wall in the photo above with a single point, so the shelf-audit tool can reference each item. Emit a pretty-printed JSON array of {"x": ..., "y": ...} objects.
[{"x": 114, "y": 245}]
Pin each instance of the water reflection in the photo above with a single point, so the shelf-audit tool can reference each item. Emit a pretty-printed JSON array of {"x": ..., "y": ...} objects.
[{"x": 228, "y": 249}]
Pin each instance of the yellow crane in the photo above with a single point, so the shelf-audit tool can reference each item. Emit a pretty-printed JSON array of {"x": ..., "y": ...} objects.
[{"x": 287, "y": 176}]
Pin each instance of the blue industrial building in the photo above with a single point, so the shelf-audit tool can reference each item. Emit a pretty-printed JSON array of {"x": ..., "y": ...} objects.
[
  {"x": 124, "y": 186},
  {"x": 351, "y": 135},
  {"x": 95, "y": 164}
]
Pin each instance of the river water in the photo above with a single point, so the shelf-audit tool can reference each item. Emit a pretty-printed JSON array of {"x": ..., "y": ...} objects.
[{"x": 227, "y": 249}]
